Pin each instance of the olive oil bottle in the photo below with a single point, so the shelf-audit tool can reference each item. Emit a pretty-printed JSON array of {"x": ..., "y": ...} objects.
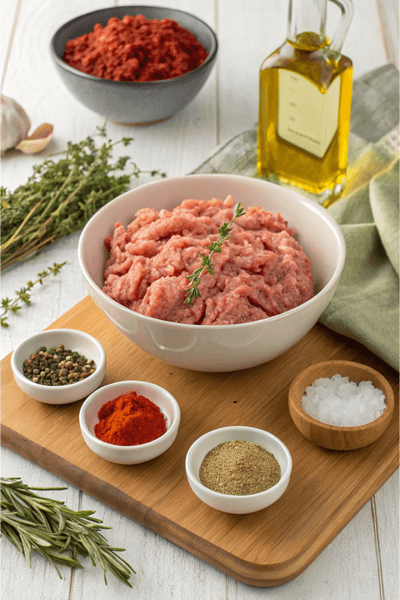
[{"x": 304, "y": 104}]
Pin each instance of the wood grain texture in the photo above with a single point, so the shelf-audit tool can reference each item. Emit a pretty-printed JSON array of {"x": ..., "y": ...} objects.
[
  {"x": 328, "y": 436},
  {"x": 9, "y": 20},
  {"x": 254, "y": 549},
  {"x": 348, "y": 567},
  {"x": 389, "y": 18},
  {"x": 387, "y": 511}
]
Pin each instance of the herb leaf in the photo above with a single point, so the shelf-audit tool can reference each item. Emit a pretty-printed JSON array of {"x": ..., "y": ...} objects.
[
  {"x": 193, "y": 291},
  {"x": 23, "y": 295},
  {"x": 61, "y": 196},
  {"x": 38, "y": 524}
]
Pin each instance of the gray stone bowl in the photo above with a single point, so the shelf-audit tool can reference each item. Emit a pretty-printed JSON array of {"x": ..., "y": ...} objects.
[{"x": 134, "y": 102}]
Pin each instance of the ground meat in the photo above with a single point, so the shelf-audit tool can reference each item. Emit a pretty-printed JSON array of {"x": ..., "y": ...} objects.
[{"x": 260, "y": 272}]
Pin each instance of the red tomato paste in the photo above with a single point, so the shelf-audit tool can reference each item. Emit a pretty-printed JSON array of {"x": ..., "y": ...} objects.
[{"x": 136, "y": 49}]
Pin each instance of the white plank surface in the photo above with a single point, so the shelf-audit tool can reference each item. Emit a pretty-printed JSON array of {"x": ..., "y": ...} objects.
[{"x": 362, "y": 562}]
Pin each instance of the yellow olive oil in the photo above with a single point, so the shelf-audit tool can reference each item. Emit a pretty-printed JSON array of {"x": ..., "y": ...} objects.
[{"x": 304, "y": 107}]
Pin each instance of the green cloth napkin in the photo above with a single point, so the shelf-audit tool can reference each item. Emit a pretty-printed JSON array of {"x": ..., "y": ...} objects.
[{"x": 365, "y": 306}]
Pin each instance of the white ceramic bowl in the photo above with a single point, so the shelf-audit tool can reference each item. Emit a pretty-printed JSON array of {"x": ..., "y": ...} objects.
[
  {"x": 72, "y": 339},
  {"x": 129, "y": 455},
  {"x": 218, "y": 347},
  {"x": 237, "y": 504}
]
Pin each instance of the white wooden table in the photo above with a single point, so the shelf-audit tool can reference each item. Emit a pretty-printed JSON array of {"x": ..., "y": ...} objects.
[{"x": 362, "y": 562}]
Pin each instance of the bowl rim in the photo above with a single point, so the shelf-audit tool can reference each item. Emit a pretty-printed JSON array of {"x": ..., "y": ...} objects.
[
  {"x": 103, "y": 11},
  {"x": 312, "y": 205},
  {"x": 133, "y": 448},
  {"x": 235, "y": 497},
  {"x": 389, "y": 401},
  {"x": 59, "y": 389}
]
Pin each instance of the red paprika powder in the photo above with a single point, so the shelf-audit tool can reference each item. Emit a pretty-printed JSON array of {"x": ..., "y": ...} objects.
[
  {"x": 130, "y": 420},
  {"x": 136, "y": 49}
]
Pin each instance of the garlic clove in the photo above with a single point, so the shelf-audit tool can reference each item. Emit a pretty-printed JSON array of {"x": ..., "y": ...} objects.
[
  {"x": 15, "y": 123},
  {"x": 37, "y": 141}
]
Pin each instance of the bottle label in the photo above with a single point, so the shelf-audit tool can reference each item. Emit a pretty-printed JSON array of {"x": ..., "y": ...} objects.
[{"x": 307, "y": 118}]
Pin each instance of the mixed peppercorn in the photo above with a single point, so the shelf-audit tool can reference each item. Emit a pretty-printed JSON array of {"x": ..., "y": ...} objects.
[{"x": 57, "y": 366}]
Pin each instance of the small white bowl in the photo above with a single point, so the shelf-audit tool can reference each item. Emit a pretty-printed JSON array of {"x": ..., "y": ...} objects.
[
  {"x": 72, "y": 339},
  {"x": 237, "y": 504},
  {"x": 129, "y": 455}
]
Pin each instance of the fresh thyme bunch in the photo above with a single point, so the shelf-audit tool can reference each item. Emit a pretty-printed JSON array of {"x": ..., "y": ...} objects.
[
  {"x": 23, "y": 295},
  {"x": 61, "y": 196},
  {"x": 193, "y": 292},
  {"x": 35, "y": 523}
]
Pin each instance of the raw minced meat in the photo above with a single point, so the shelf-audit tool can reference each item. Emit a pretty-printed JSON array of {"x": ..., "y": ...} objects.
[{"x": 261, "y": 270}]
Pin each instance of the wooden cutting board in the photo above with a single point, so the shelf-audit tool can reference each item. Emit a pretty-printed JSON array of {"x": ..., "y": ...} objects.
[{"x": 266, "y": 548}]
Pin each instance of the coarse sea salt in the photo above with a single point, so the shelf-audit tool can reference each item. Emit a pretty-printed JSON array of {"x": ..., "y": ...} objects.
[{"x": 338, "y": 401}]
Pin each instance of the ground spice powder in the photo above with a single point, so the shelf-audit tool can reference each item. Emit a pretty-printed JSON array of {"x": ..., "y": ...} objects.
[
  {"x": 239, "y": 467},
  {"x": 135, "y": 49},
  {"x": 130, "y": 420}
]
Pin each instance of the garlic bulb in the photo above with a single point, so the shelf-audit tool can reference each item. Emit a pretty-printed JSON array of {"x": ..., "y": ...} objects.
[{"x": 15, "y": 123}]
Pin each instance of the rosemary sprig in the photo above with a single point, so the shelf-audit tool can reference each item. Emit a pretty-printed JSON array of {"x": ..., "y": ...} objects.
[
  {"x": 61, "y": 196},
  {"x": 23, "y": 295},
  {"x": 34, "y": 523},
  {"x": 193, "y": 291}
]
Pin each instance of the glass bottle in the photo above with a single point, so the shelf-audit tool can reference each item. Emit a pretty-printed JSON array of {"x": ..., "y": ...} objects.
[{"x": 304, "y": 104}]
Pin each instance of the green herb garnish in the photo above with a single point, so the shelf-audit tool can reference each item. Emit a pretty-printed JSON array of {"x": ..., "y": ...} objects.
[
  {"x": 23, "y": 295},
  {"x": 193, "y": 292},
  {"x": 61, "y": 196},
  {"x": 37, "y": 524}
]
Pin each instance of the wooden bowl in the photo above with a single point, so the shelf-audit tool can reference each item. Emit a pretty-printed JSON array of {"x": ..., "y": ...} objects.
[{"x": 330, "y": 436}]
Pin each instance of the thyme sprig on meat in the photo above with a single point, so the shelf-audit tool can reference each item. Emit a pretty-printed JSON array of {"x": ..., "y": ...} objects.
[
  {"x": 193, "y": 291},
  {"x": 35, "y": 523},
  {"x": 61, "y": 196}
]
